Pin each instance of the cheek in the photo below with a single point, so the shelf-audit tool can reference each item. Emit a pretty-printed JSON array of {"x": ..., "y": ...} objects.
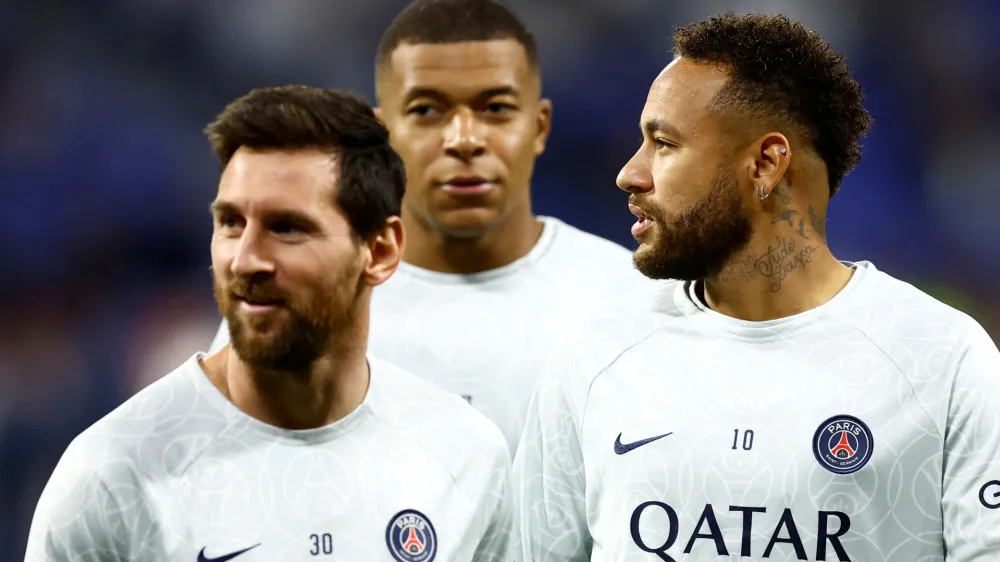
[
  {"x": 515, "y": 145},
  {"x": 418, "y": 150},
  {"x": 679, "y": 181}
]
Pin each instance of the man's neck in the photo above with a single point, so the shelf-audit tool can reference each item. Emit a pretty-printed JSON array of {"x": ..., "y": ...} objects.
[
  {"x": 785, "y": 270},
  {"x": 332, "y": 388},
  {"x": 509, "y": 241}
]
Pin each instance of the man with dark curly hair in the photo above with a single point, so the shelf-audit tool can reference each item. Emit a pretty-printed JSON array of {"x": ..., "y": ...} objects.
[{"x": 773, "y": 402}]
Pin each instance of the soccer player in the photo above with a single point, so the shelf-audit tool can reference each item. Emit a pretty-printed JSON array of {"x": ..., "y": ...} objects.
[
  {"x": 290, "y": 444},
  {"x": 486, "y": 287},
  {"x": 774, "y": 402}
]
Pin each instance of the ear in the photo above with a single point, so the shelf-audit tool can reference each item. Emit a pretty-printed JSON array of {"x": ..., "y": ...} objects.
[
  {"x": 771, "y": 155},
  {"x": 386, "y": 251},
  {"x": 543, "y": 123},
  {"x": 378, "y": 114}
]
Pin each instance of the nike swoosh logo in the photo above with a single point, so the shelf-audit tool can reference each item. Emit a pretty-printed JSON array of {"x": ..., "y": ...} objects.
[
  {"x": 203, "y": 558},
  {"x": 621, "y": 449}
]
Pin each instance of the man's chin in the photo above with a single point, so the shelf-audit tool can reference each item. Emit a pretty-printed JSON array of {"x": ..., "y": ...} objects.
[{"x": 467, "y": 223}]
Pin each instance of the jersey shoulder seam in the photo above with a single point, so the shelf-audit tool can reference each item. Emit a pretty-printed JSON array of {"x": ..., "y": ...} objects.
[
  {"x": 909, "y": 383},
  {"x": 605, "y": 369}
]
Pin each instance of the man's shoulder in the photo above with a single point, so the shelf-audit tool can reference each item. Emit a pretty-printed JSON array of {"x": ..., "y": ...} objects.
[
  {"x": 170, "y": 414},
  {"x": 596, "y": 336},
  {"x": 894, "y": 312},
  {"x": 417, "y": 406},
  {"x": 572, "y": 240}
]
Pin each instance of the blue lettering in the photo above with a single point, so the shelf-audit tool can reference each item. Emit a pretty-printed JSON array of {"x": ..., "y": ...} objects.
[
  {"x": 708, "y": 527},
  {"x": 994, "y": 504},
  {"x": 660, "y": 552},
  {"x": 747, "y": 525},
  {"x": 823, "y": 534},
  {"x": 714, "y": 533},
  {"x": 793, "y": 536}
]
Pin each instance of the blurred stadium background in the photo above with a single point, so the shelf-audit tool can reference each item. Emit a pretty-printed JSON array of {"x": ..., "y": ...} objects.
[{"x": 105, "y": 178}]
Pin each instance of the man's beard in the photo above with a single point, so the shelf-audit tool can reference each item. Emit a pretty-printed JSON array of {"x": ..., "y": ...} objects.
[
  {"x": 699, "y": 242},
  {"x": 306, "y": 330}
]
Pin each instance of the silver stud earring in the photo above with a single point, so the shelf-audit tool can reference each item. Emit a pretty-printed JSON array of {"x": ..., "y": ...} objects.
[
  {"x": 760, "y": 192},
  {"x": 784, "y": 150}
]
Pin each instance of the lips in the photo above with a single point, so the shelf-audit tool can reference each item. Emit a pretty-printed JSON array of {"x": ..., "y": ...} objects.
[
  {"x": 467, "y": 185},
  {"x": 643, "y": 224}
]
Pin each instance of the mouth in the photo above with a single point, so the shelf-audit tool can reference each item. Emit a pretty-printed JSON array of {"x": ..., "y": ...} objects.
[
  {"x": 254, "y": 304},
  {"x": 644, "y": 222},
  {"x": 467, "y": 185}
]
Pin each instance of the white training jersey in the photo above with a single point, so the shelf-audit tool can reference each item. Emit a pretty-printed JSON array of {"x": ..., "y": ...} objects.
[
  {"x": 867, "y": 429},
  {"x": 180, "y": 474},
  {"x": 484, "y": 336}
]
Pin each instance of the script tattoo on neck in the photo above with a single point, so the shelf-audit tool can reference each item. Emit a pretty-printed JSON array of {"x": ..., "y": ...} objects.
[{"x": 781, "y": 259}]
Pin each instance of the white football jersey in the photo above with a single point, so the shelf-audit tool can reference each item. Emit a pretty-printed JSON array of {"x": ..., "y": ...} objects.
[
  {"x": 484, "y": 336},
  {"x": 180, "y": 474},
  {"x": 867, "y": 429}
]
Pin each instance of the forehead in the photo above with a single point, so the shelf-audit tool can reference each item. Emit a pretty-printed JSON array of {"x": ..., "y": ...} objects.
[
  {"x": 273, "y": 179},
  {"x": 460, "y": 68},
  {"x": 682, "y": 93}
]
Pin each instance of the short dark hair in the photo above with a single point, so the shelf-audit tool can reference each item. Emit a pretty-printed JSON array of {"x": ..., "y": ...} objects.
[
  {"x": 780, "y": 69},
  {"x": 455, "y": 21},
  {"x": 372, "y": 178}
]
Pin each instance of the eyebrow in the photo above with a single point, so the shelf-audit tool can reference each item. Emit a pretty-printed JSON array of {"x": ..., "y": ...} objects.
[
  {"x": 296, "y": 217},
  {"x": 423, "y": 92},
  {"x": 222, "y": 208},
  {"x": 654, "y": 126}
]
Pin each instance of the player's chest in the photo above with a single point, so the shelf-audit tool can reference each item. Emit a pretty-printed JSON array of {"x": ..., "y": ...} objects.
[
  {"x": 307, "y": 505},
  {"x": 743, "y": 449},
  {"x": 739, "y": 413}
]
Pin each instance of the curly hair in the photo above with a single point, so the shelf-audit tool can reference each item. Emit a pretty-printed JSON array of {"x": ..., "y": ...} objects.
[{"x": 780, "y": 69}]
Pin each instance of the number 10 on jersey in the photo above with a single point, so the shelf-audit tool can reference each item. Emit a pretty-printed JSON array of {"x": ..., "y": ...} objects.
[{"x": 747, "y": 439}]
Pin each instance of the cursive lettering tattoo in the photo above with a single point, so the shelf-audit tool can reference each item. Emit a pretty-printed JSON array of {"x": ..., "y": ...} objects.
[
  {"x": 818, "y": 223},
  {"x": 781, "y": 259}
]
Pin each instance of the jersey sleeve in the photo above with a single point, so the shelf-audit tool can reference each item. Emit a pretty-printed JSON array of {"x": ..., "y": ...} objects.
[
  {"x": 221, "y": 338},
  {"x": 548, "y": 475},
  {"x": 971, "y": 483},
  {"x": 497, "y": 541},
  {"x": 76, "y": 519}
]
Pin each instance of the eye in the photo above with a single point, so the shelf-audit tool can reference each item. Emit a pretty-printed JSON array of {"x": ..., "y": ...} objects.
[
  {"x": 663, "y": 145},
  {"x": 284, "y": 227},
  {"x": 422, "y": 110},
  {"x": 499, "y": 107},
  {"x": 228, "y": 221}
]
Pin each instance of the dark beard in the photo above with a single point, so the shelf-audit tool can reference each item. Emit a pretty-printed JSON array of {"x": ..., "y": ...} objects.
[
  {"x": 699, "y": 242},
  {"x": 305, "y": 336}
]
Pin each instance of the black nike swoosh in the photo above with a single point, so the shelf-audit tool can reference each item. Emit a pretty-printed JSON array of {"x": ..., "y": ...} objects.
[
  {"x": 203, "y": 558},
  {"x": 622, "y": 449}
]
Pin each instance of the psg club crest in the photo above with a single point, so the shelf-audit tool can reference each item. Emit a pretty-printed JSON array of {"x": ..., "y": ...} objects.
[
  {"x": 843, "y": 444},
  {"x": 411, "y": 537}
]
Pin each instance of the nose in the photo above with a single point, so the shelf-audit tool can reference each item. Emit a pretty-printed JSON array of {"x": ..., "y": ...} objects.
[
  {"x": 250, "y": 259},
  {"x": 637, "y": 174},
  {"x": 463, "y": 138}
]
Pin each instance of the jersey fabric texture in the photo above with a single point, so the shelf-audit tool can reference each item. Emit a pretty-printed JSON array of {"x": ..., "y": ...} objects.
[
  {"x": 178, "y": 473},
  {"x": 867, "y": 429}
]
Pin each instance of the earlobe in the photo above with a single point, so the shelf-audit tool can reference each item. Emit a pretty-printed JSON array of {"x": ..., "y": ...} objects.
[{"x": 379, "y": 115}]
